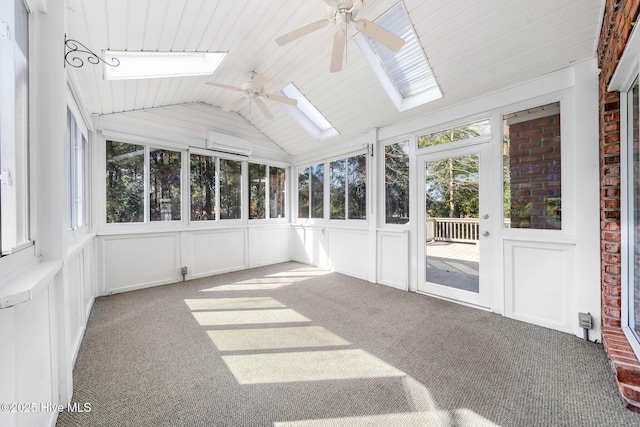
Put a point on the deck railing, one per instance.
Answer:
(453, 229)
(465, 230)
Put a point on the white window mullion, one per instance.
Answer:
(147, 185)
(217, 186)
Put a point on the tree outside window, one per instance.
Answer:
(230, 189)
(125, 182)
(164, 184)
(397, 183)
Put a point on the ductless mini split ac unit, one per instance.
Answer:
(228, 143)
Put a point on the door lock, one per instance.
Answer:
(485, 216)
(485, 233)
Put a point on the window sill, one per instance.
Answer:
(625, 365)
(26, 286)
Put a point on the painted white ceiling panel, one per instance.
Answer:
(474, 48)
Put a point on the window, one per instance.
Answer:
(405, 75)
(77, 175)
(215, 182)
(317, 191)
(346, 184)
(14, 125)
(257, 188)
(311, 192)
(164, 184)
(277, 185)
(457, 133)
(203, 187)
(633, 210)
(125, 182)
(127, 200)
(230, 173)
(396, 176)
(347, 187)
(266, 191)
(532, 168)
(307, 115)
(154, 64)
(303, 193)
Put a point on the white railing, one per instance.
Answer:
(453, 229)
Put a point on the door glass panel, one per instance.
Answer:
(452, 216)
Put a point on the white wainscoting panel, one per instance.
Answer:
(74, 286)
(393, 259)
(217, 251)
(33, 347)
(309, 245)
(270, 245)
(347, 251)
(89, 290)
(139, 260)
(538, 280)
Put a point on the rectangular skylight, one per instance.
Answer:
(151, 64)
(307, 115)
(405, 75)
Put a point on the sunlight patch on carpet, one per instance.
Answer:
(275, 338)
(232, 303)
(248, 317)
(308, 366)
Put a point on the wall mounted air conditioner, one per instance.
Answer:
(228, 143)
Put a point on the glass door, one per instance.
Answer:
(454, 249)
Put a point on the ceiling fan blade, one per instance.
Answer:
(224, 86)
(263, 108)
(258, 81)
(302, 31)
(338, 52)
(377, 33)
(278, 98)
(234, 104)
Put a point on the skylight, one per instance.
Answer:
(307, 115)
(405, 75)
(148, 64)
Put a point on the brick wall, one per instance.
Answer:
(619, 18)
(534, 164)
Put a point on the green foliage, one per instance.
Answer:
(397, 182)
(125, 182)
(257, 188)
(452, 187)
(203, 191)
(230, 189)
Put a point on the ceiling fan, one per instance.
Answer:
(341, 13)
(254, 92)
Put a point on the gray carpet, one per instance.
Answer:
(290, 346)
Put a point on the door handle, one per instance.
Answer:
(485, 233)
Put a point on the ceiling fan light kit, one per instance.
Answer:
(253, 91)
(341, 13)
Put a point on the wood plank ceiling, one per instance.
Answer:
(474, 48)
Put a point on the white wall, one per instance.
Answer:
(140, 260)
(538, 276)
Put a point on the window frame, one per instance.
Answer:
(326, 197)
(267, 191)
(147, 143)
(411, 155)
(15, 157)
(218, 221)
(626, 210)
(567, 219)
(75, 180)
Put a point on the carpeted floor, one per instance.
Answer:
(290, 345)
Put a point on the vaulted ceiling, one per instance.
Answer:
(474, 48)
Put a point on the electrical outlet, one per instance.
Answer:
(585, 320)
